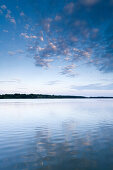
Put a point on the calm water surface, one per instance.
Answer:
(46, 134)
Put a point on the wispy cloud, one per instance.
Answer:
(69, 71)
(10, 81)
(1, 12)
(69, 8)
(22, 14)
(97, 86)
(53, 82)
(5, 30)
(58, 18)
(89, 2)
(3, 7)
(43, 62)
(12, 20)
(12, 53)
(25, 35)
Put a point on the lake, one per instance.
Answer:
(56, 134)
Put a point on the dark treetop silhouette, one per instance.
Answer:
(42, 96)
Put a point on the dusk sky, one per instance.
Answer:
(56, 47)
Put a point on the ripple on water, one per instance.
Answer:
(56, 134)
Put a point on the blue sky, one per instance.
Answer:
(56, 47)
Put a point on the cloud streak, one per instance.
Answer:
(26, 36)
(16, 52)
(97, 86)
(50, 83)
(10, 81)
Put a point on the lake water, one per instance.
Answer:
(56, 134)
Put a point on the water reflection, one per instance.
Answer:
(56, 134)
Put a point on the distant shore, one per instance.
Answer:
(42, 96)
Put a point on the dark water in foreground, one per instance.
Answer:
(56, 134)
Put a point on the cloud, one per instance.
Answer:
(46, 23)
(44, 55)
(22, 14)
(43, 62)
(19, 51)
(10, 81)
(97, 86)
(77, 31)
(69, 8)
(69, 71)
(13, 20)
(5, 30)
(27, 26)
(8, 14)
(1, 12)
(25, 35)
(53, 82)
(89, 2)
(41, 38)
(58, 18)
(3, 7)
(12, 53)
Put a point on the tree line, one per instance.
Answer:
(42, 96)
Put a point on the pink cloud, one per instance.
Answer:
(69, 7)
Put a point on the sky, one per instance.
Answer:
(56, 47)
